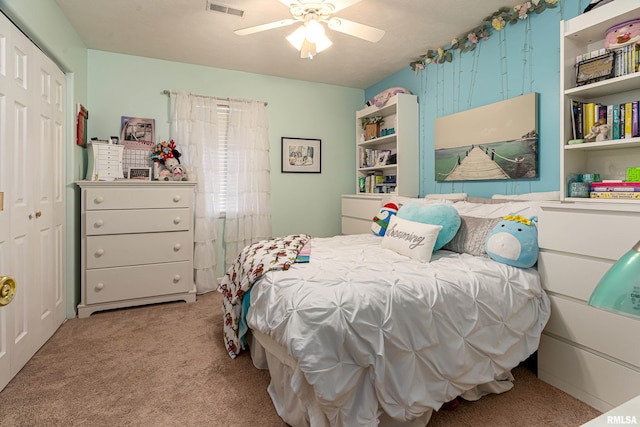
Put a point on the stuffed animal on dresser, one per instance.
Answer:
(167, 157)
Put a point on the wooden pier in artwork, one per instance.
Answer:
(477, 165)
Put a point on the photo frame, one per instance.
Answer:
(81, 128)
(595, 69)
(141, 174)
(301, 155)
(137, 129)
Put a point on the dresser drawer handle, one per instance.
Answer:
(99, 252)
(177, 198)
(98, 200)
(177, 220)
(177, 247)
(99, 223)
(176, 278)
(99, 286)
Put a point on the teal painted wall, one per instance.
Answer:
(124, 85)
(44, 23)
(520, 59)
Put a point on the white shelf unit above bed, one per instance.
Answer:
(400, 113)
(582, 34)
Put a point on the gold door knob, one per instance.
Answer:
(38, 214)
(7, 290)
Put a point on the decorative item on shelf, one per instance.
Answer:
(595, 69)
(623, 34)
(619, 288)
(599, 131)
(633, 174)
(371, 126)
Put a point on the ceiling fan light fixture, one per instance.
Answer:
(309, 39)
(297, 37)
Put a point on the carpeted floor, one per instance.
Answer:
(165, 365)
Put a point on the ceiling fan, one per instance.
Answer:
(310, 37)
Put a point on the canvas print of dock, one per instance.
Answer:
(496, 141)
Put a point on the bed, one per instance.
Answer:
(364, 336)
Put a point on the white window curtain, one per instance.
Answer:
(229, 155)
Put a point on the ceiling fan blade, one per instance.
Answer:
(264, 27)
(355, 29)
(338, 4)
(342, 4)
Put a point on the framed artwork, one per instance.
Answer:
(81, 129)
(136, 129)
(142, 174)
(498, 141)
(301, 155)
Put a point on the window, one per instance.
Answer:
(223, 136)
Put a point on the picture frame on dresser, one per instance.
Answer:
(141, 174)
(301, 155)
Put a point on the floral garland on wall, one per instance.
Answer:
(469, 40)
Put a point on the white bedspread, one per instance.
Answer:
(370, 327)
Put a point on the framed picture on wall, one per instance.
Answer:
(301, 155)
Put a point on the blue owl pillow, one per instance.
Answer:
(381, 220)
(514, 241)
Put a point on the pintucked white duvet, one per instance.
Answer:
(371, 329)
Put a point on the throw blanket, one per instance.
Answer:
(252, 262)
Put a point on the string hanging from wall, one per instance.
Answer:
(504, 65)
(473, 74)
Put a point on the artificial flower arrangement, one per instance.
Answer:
(162, 151)
(496, 21)
(372, 120)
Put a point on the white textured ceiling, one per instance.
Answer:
(185, 31)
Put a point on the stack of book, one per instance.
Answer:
(615, 190)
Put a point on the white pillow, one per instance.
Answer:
(496, 210)
(447, 196)
(410, 238)
(540, 195)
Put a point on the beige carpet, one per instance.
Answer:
(165, 365)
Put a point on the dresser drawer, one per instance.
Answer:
(132, 249)
(136, 198)
(603, 331)
(361, 207)
(572, 275)
(125, 283)
(136, 221)
(592, 232)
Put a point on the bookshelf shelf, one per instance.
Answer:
(611, 158)
(401, 114)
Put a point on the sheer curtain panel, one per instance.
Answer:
(226, 145)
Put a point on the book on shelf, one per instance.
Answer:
(614, 194)
(622, 118)
(616, 186)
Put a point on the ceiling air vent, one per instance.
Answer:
(224, 9)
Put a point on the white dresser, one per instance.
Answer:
(358, 212)
(137, 243)
(590, 353)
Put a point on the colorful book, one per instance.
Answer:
(614, 195)
(589, 116)
(610, 121)
(621, 117)
(616, 121)
(628, 132)
(615, 184)
(614, 188)
(635, 130)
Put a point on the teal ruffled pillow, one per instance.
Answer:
(437, 214)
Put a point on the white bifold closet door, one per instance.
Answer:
(32, 233)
